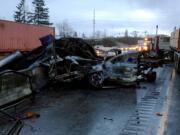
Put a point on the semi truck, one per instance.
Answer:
(157, 42)
(175, 47)
(165, 47)
(170, 46)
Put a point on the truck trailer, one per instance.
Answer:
(175, 47)
(24, 37)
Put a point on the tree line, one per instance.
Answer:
(39, 15)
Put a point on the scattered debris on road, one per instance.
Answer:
(159, 114)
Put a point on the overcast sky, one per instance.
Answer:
(112, 16)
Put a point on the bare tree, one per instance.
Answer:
(83, 35)
(75, 35)
(126, 33)
(104, 34)
(98, 34)
(65, 30)
(135, 33)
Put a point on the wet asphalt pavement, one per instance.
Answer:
(83, 112)
(97, 112)
(173, 123)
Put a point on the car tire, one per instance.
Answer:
(96, 80)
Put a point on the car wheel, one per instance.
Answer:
(96, 80)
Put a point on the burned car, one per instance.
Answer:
(120, 69)
(128, 69)
(72, 59)
(74, 62)
(75, 68)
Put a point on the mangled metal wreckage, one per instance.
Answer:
(22, 74)
(68, 60)
(26, 72)
(72, 59)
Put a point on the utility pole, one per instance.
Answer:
(94, 24)
(156, 30)
(156, 39)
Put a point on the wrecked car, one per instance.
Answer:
(75, 68)
(128, 69)
(22, 74)
(74, 62)
(67, 60)
(118, 69)
(72, 59)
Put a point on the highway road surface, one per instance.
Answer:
(146, 109)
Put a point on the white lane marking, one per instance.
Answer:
(163, 122)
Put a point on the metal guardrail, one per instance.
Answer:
(17, 83)
(11, 124)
